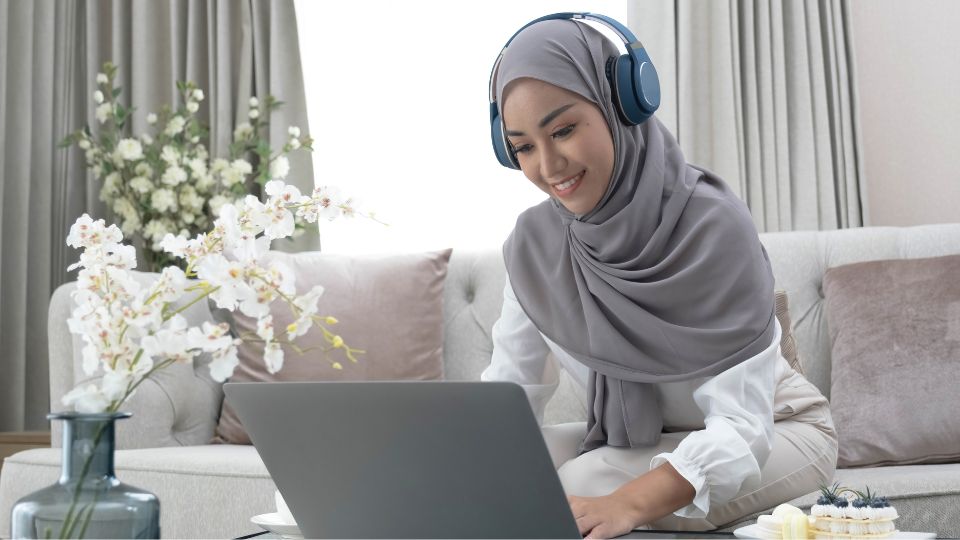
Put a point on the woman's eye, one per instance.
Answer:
(522, 149)
(564, 131)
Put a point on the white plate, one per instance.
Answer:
(752, 531)
(274, 523)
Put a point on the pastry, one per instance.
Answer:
(836, 516)
(786, 522)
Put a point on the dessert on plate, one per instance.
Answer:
(836, 516)
(786, 522)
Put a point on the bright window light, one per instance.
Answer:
(397, 105)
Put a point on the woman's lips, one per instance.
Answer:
(566, 191)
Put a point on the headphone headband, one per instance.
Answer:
(625, 34)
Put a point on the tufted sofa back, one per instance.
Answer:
(183, 402)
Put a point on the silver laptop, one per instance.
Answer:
(409, 459)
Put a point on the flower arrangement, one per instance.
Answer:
(131, 332)
(165, 181)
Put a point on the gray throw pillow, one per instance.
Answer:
(895, 331)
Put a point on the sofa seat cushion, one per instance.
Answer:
(197, 485)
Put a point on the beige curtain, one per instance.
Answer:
(763, 93)
(50, 53)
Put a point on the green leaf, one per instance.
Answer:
(116, 92)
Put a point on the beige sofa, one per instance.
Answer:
(212, 490)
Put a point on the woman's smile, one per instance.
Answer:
(567, 187)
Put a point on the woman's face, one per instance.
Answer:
(561, 141)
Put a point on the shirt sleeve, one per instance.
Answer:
(730, 451)
(520, 355)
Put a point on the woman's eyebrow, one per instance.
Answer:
(546, 119)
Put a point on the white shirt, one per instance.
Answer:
(730, 415)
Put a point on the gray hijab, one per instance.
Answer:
(665, 280)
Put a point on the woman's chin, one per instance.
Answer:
(573, 207)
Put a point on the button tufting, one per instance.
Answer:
(470, 295)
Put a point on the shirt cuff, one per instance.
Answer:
(692, 473)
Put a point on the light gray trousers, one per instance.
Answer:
(803, 457)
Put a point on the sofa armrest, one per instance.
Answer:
(178, 406)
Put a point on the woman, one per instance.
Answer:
(644, 277)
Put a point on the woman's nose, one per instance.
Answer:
(552, 163)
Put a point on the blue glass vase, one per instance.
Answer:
(88, 501)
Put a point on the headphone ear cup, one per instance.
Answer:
(615, 90)
(636, 92)
(501, 147)
(623, 70)
(646, 82)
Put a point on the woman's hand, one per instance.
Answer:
(645, 499)
(604, 517)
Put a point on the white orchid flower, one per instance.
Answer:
(115, 383)
(307, 304)
(169, 343)
(265, 328)
(327, 200)
(224, 362)
(229, 278)
(273, 357)
(86, 399)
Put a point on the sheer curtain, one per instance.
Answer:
(50, 53)
(763, 93)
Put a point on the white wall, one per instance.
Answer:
(908, 71)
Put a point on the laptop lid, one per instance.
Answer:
(406, 459)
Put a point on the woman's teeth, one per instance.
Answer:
(564, 185)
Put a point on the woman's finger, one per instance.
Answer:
(587, 522)
(602, 531)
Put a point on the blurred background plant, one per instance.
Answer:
(165, 181)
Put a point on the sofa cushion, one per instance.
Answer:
(390, 306)
(895, 332)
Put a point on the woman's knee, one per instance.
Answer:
(563, 441)
(579, 475)
(593, 475)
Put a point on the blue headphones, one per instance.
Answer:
(633, 80)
